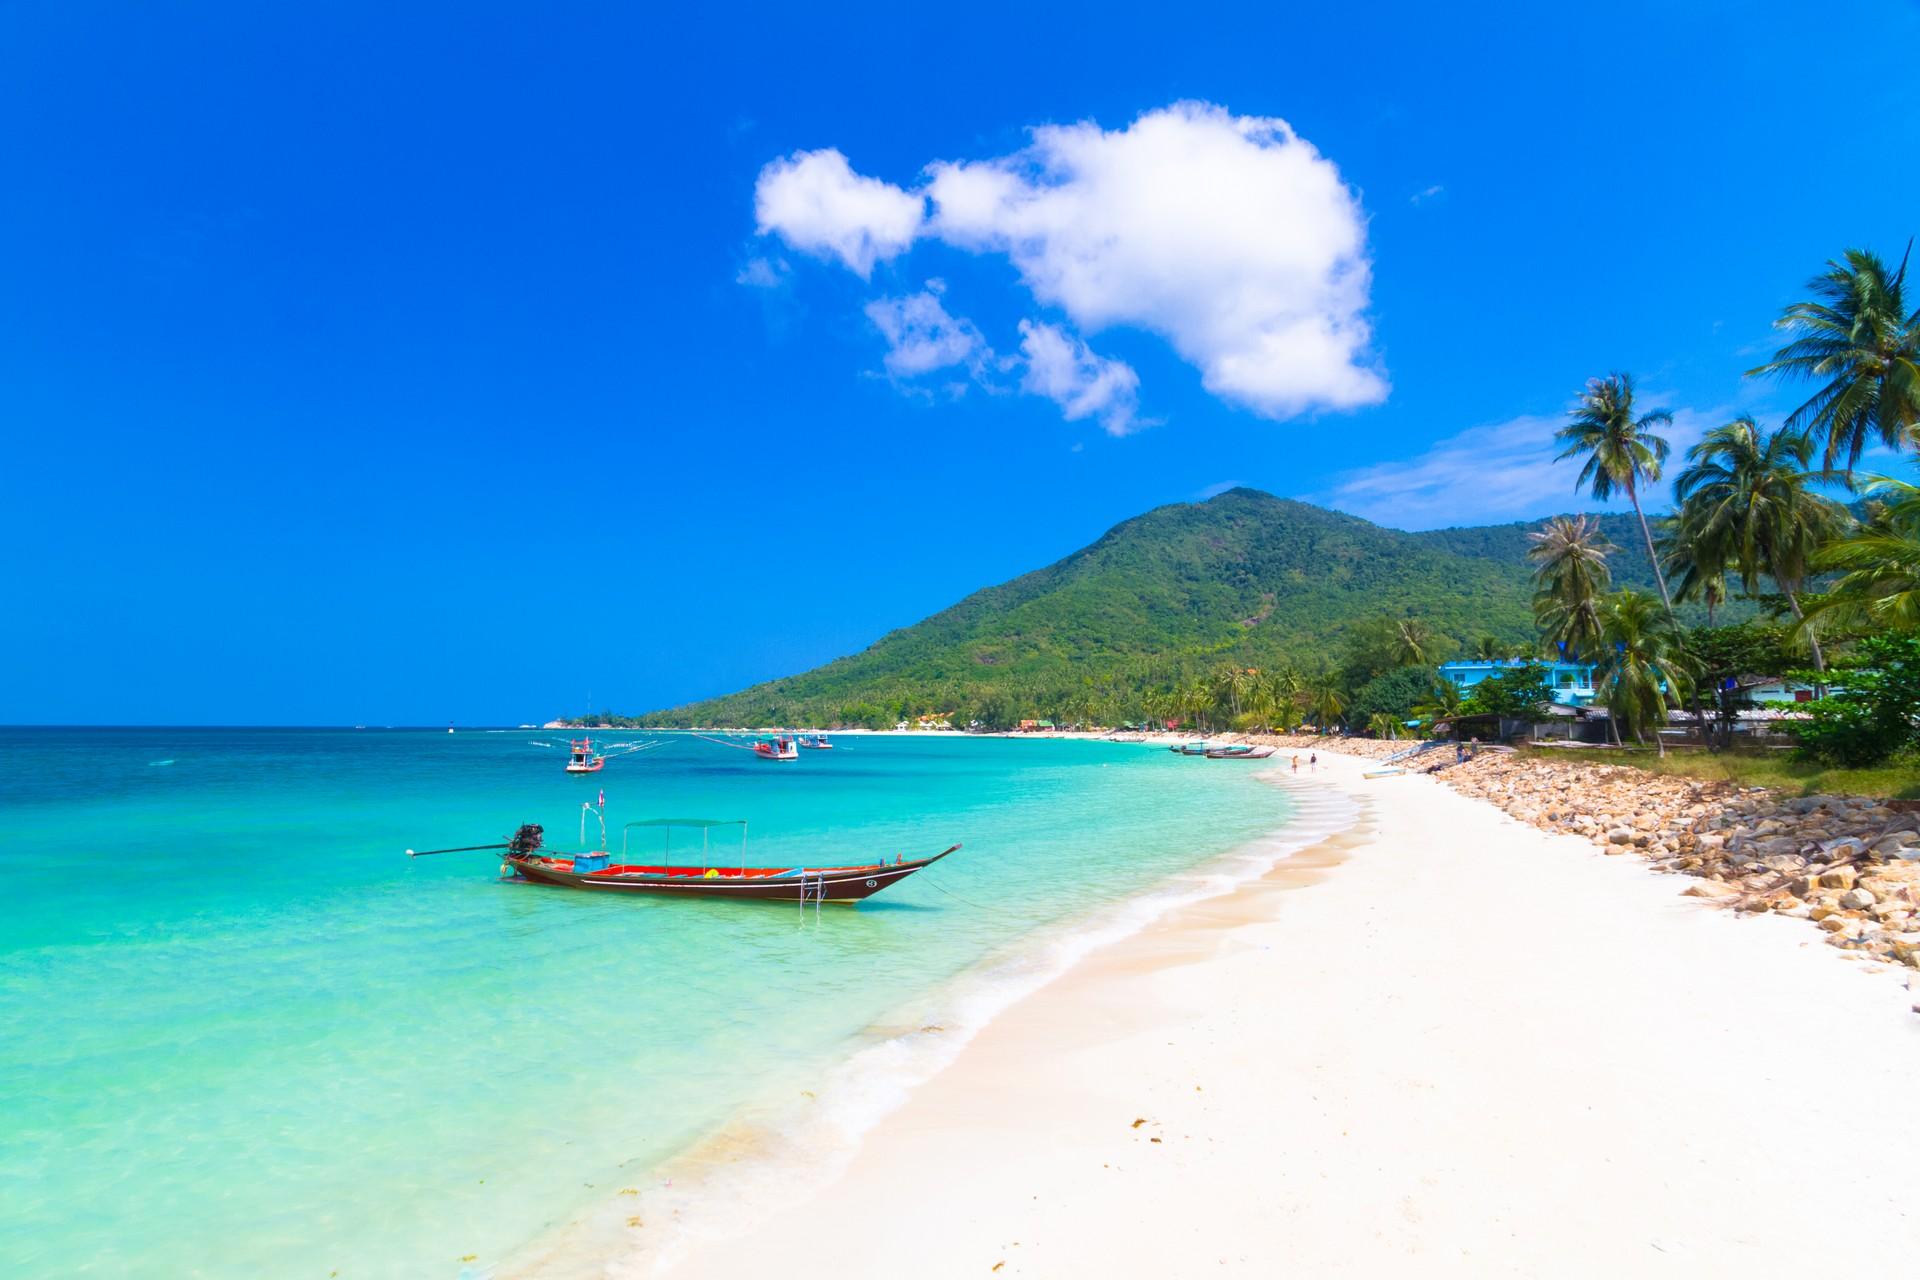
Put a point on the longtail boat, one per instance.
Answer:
(776, 748)
(526, 858)
(1239, 751)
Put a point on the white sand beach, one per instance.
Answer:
(1443, 1043)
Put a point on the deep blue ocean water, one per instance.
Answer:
(246, 1036)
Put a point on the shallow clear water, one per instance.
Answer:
(245, 1035)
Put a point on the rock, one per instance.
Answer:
(1848, 847)
(1856, 899)
(1784, 862)
(1709, 889)
(1778, 846)
(1837, 878)
(1834, 923)
(1620, 835)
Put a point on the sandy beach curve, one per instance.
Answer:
(1442, 1042)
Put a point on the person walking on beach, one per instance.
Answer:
(1296, 763)
(1313, 760)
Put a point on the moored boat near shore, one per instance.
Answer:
(527, 859)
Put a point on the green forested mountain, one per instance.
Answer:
(1242, 579)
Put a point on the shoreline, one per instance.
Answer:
(1412, 1065)
(750, 1159)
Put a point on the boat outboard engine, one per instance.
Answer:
(526, 841)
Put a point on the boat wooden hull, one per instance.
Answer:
(766, 884)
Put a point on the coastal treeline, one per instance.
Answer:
(1783, 555)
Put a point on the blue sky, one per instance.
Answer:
(398, 364)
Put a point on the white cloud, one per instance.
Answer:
(921, 336)
(816, 202)
(1501, 471)
(1421, 197)
(763, 273)
(1229, 236)
(1065, 370)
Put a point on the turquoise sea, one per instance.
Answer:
(246, 1036)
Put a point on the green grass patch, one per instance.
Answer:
(1778, 769)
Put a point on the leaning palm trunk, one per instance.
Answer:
(1813, 641)
(1653, 557)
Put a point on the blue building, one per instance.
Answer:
(1572, 681)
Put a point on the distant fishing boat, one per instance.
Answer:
(580, 757)
(816, 742)
(1191, 748)
(1240, 751)
(780, 747)
(527, 859)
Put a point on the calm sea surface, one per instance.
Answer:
(244, 1035)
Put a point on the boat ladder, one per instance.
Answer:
(817, 891)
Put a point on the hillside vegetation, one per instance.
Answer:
(1244, 578)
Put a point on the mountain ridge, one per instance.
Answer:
(1241, 578)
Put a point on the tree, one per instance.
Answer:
(1516, 693)
(1570, 577)
(1413, 642)
(1443, 702)
(1697, 556)
(1878, 563)
(1382, 725)
(1621, 451)
(1748, 495)
(1326, 702)
(1719, 656)
(1873, 717)
(1643, 672)
(1857, 340)
(1395, 694)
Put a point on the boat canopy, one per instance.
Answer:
(696, 823)
(704, 826)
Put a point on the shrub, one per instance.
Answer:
(1872, 715)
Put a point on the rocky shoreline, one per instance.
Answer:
(1850, 865)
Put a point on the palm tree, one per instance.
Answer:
(1621, 450)
(1856, 338)
(1232, 686)
(1643, 672)
(1443, 703)
(1413, 643)
(1699, 560)
(1878, 563)
(1381, 724)
(1748, 495)
(1261, 703)
(1327, 701)
(1570, 576)
(1195, 701)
